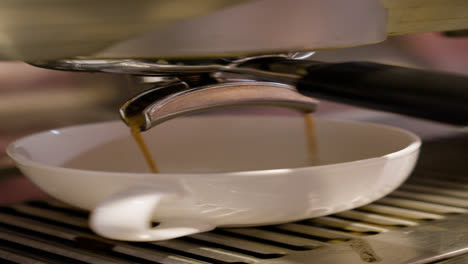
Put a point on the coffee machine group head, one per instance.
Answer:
(216, 53)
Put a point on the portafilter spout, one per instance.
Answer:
(171, 100)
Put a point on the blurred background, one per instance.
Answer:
(34, 99)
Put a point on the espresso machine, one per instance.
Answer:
(213, 48)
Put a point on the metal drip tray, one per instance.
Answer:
(424, 221)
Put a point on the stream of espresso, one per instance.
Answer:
(309, 131)
(136, 133)
(311, 140)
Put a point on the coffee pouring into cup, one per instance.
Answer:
(261, 175)
(230, 171)
(185, 201)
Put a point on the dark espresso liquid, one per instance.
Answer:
(136, 133)
(311, 139)
(309, 131)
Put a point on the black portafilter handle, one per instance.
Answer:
(435, 96)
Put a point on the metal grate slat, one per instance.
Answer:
(400, 212)
(436, 190)
(201, 251)
(323, 234)
(7, 257)
(432, 198)
(57, 206)
(87, 237)
(449, 176)
(288, 241)
(156, 256)
(68, 254)
(52, 215)
(372, 218)
(422, 206)
(243, 246)
(438, 183)
(36, 226)
(346, 225)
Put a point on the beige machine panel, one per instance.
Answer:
(53, 29)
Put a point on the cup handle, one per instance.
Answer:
(128, 215)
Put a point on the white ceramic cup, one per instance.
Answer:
(215, 171)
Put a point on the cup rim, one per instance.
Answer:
(413, 146)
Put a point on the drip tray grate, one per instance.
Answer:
(424, 221)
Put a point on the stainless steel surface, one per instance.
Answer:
(132, 66)
(161, 67)
(247, 68)
(244, 66)
(163, 103)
